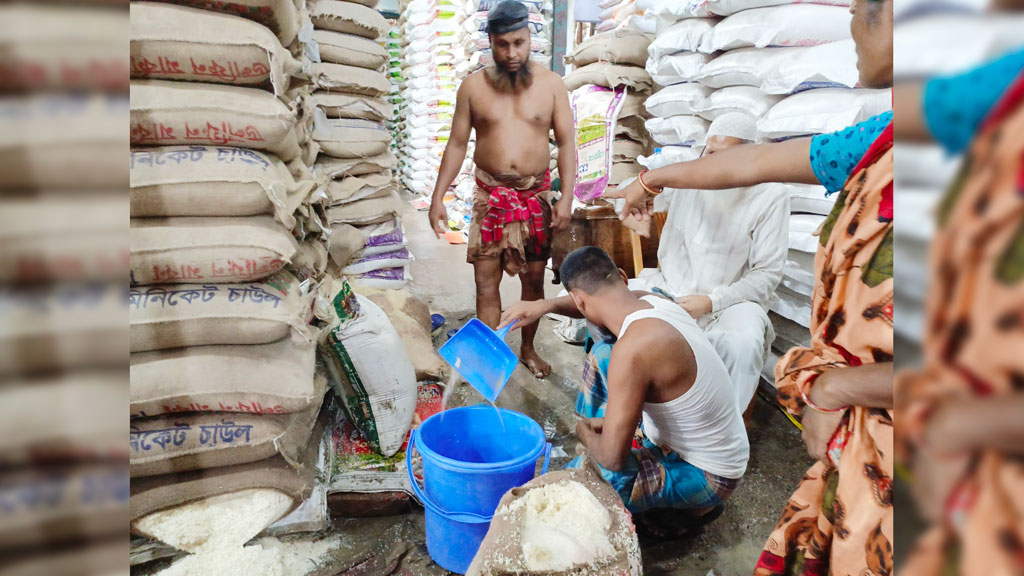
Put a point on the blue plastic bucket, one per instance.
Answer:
(471, 458)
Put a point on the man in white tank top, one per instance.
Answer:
(653, 363)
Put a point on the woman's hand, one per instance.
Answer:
(819, 428)
(638, 202)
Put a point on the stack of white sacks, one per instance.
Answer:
(433, 34)
(356, 164)
(621, 14)
(923, 171)
(793, 67)
(225, 259)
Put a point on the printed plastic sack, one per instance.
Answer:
(595, 111)
(383, 279)
(530, 535)
(381, 260)
(369, 368)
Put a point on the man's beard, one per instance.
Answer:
(508, 81)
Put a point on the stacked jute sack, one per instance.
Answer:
(791, 67)
(62, 269)
(476, 42)
(433, 32)
(615, 60)
(356, 165)
(226, 257)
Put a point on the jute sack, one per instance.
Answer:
(272, 378)
(348, 18)
(618, 47)
(214, 181)
(350, 50)
(356, 188)
(624, 170)
(62, 47)
(626, 151)
(512, 542)
(181, 442)
(154, 493)
(311, 260)
(370, 211)
(411, 319)
(610, 76)
(632, 105)
(280, 16)
(349, 79)
(329, 168)
(52, 505)
(59, 141)
(351, 138)
(55, 327)
(208, 250)
(162, 317)
(633, 128)
(178, 43)
(49, 424)
(338, 105)
(165, 113)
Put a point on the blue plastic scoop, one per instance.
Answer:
(481, 356)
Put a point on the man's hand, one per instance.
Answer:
(696, 305)
(526, 312)
(562, 215)
(639, 203)
(438, 218)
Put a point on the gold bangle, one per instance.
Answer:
(648, 189)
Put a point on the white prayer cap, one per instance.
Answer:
(736, 125)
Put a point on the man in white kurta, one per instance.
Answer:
(721, 255)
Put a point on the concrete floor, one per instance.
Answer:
(729, 546)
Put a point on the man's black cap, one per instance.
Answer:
(507, 16)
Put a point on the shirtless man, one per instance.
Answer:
(650, 360)
(513, 105)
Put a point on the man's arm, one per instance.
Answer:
(767, 258)
(609, 441)
(565, 137)
(527, 312)
(452, 159)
